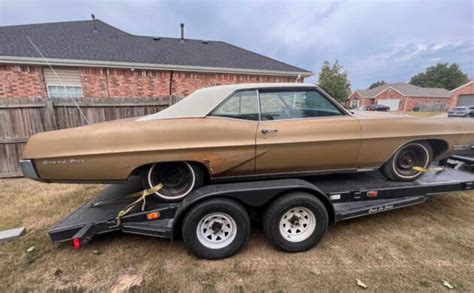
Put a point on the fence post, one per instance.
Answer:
(50, 117)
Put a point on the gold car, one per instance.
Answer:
(244, 131)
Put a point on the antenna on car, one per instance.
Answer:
(57, 76)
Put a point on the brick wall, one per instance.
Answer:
(185, 83)
(426, 104)
(408, 103)
(465, 90)
(148, 83)
(392, 94)
(94, 82)
(28, 81)
(97, 82)
(362, 101)
(21, 81)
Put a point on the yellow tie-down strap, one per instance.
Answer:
(142, 198)
(435, 170)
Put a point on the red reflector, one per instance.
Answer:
(372, 194)
(77, 243)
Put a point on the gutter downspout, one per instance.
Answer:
(171, 83)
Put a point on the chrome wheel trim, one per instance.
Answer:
(394, 166)
(216, 230)
(173, 197)
(297, 224)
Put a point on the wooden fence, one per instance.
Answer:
(21, 118)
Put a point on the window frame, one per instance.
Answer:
(62, 86)
(210, 114)
(344, 112)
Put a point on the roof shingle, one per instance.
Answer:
(77, 40)
(407, 90)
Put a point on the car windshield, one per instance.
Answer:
(459, 108)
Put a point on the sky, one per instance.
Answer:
(373, 40)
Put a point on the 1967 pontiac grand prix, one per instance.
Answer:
(243, 131)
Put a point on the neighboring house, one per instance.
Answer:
(463, 95)
(95, 59)
(402, 97)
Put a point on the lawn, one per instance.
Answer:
(415, 248)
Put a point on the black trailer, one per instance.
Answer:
(214, 221)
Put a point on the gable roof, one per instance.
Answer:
(406, 89)
(76, 43)
(460, 87)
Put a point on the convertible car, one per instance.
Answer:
(244, 131)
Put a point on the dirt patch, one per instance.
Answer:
(415, 248)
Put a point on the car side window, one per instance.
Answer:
(280, 105)
(241, 105)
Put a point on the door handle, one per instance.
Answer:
(265, 131)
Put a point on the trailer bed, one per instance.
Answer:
(352, 195)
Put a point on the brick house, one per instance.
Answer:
(463, 95)
(402, 97)
(94, 59)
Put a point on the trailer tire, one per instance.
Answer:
(216, 228)
(295, 222)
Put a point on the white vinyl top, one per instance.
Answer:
(202, 101)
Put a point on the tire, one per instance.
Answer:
(222, 243)
(400, 166)
(178, 178)
(280, 213)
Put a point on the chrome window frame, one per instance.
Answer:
(344, 112)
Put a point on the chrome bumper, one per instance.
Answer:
(28, 169)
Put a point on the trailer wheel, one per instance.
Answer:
(216, 228)
(295, 222)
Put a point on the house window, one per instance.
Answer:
(63, 82)
(354, 103)
(66, 91)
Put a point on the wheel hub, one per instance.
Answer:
(297, 224)
(216, 226)
(295, 220)
(216, 230)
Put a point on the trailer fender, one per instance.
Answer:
(251, 194)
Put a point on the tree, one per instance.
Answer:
(442, 75)
(334, 81)
(377, 83)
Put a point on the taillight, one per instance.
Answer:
(76, 242)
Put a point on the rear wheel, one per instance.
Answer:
(216, 228)
(295, 222)
(401, 166)
(178, 179)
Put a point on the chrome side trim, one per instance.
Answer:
(290, 174)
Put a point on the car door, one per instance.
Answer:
(303, 130)
(234, 124)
